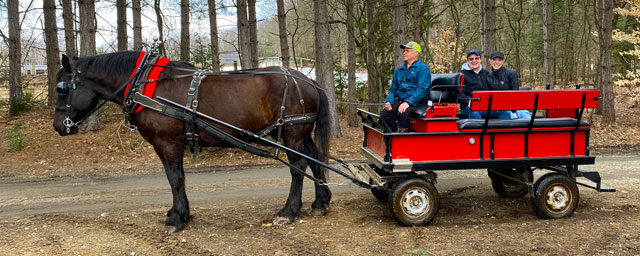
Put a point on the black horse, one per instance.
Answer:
(249, 101)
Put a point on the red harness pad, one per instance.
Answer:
(150, 87)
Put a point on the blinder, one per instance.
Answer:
(63, 88)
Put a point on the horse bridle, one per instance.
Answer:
(65, 88)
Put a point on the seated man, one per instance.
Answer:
(503, 78)
(408, 89)
(475, 79)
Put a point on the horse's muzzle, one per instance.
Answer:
(63, 131)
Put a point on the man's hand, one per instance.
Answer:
(387, 106)
(403, 107)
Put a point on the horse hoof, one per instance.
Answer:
(282, 221)
(169, 229)
(315, 212)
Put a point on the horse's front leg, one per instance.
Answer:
(171, 154)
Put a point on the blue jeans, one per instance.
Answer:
(522, 114)
(501, 114)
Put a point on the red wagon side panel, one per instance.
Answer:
(434, 147)
(506, 145)
(375, 142)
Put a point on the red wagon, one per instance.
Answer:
(403, 166)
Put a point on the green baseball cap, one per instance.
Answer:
(412, 45)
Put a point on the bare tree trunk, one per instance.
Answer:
(605, 17)
(488, 13)
(213, 28)
(87, 27)
(415, 29)
(243, 35)
(53, 50)
(372, 74)
(15, 79)
(282, 29)
(137, 25)
(548, 43)
(69, 30)
(399, 30)
(324, 62)
(121, 10)
(156, 7)
(253, 34)
(185, 42)
(88, 48)
(351, 65)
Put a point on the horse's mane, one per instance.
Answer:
(121, 63)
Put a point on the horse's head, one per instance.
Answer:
(76, 97)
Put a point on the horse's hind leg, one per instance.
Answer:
(171, 156)
(320, 205)
(292, 207)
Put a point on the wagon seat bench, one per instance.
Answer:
(402, 165)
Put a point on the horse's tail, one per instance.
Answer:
(323, 128)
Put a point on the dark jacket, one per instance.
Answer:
(472, 82)
(503, 79)
(410, 84)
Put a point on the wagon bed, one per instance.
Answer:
(402, 166)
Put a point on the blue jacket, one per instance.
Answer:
(410, 84)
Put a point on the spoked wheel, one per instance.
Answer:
(381, 194)
(507, 188)
(414, 202)
(556, 196)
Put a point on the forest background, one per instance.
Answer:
(560, 42)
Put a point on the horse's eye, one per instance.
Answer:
(63, 88)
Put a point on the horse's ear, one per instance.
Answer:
(66, 64)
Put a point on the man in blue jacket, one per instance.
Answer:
(408, 89)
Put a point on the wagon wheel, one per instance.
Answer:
(414, 202)
(379, 193)
(556, 196)
(507, 188)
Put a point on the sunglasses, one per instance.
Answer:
(473, 58)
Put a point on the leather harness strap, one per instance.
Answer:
(192, 103)
(134, 96)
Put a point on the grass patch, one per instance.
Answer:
(27, 103)
(15, 138)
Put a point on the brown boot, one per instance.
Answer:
(401, 130)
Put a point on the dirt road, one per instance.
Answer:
(232, 213)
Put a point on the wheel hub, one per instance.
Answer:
(415, 202)
(558, 198)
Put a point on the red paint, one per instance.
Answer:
(442, 110)
(506, 146)
(434, 147)
(552, 99)
(434, 125)
(557, 113)
(375, 142)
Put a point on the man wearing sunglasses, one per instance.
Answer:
(408, 89)
(475, 79)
